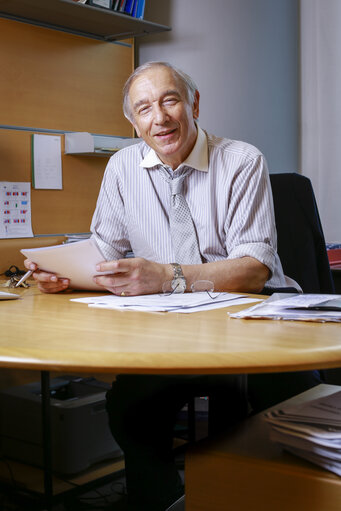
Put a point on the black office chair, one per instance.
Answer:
(300, 240)
(302, 250)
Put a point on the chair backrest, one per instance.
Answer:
(301, 244)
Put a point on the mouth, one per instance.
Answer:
(162, 135)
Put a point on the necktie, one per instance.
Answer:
(183, 233)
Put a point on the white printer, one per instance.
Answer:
(79, 424)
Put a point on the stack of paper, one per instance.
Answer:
(298, 307)
(186, 303)
(311, 431)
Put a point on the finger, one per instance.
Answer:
(111, 282)
(118, 266)
(30, 265)
(53, 287)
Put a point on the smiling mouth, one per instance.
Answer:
(165, 133)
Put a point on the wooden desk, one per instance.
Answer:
(48, 332)
(244, 470)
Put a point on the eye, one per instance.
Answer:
(170, 101)
(143, 109)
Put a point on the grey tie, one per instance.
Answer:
(183, 233)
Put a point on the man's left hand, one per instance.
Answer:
(133, 276)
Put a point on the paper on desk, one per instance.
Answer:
(324, 410)
(185, 303)
(322, 461)
(75, 261)
(332, 451)
(311, 430)
(296, 307)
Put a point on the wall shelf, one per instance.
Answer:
(83, 19)
(87, 144)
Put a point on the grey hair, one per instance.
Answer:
(185, 80)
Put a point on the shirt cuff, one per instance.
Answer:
(260, 251)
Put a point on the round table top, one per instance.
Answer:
(49, 332)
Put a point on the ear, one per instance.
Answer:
(137, 130)
(195, 107)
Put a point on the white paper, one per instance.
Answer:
(322, 461)
(8, 296)
(15, 210)
(75, 261)
(184, 303)
(47, 162)
(275, 308)
(311, 430)
(307, 300)
(324, 410)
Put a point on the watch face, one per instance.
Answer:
(179, 285)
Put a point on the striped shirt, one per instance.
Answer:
(228, 193)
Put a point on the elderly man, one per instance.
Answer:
(191, 207)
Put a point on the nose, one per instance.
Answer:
(160, 115)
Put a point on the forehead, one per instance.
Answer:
(154, 83)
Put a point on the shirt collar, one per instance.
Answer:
(197, 159)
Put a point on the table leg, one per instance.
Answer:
(46, 431)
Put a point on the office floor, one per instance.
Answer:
(103, 497)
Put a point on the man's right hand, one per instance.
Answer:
(46, 282)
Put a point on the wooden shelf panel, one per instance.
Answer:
(83, 19)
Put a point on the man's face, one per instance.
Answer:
(162, 115)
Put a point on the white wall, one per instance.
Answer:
(321, 108)
(243, 55)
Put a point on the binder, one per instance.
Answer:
(140, 9)
(128, 9)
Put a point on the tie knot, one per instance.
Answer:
(176, 185)
(177, 182)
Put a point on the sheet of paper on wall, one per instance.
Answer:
(15, 210)
(46, 162)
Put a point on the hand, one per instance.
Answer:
(133, 276)
(46, 282)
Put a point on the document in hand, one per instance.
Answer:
(297, 307)
(311, 430)
(75, 261)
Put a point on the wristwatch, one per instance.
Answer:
(179, 282)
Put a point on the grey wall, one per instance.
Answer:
(243, 55)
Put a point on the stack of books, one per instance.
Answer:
(311, 430)
(134, 8)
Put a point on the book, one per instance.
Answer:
(135, 8)
(140, 9)
(106, 4)
(122, 5)
(128, 9)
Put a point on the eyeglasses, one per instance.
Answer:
(199, 286)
